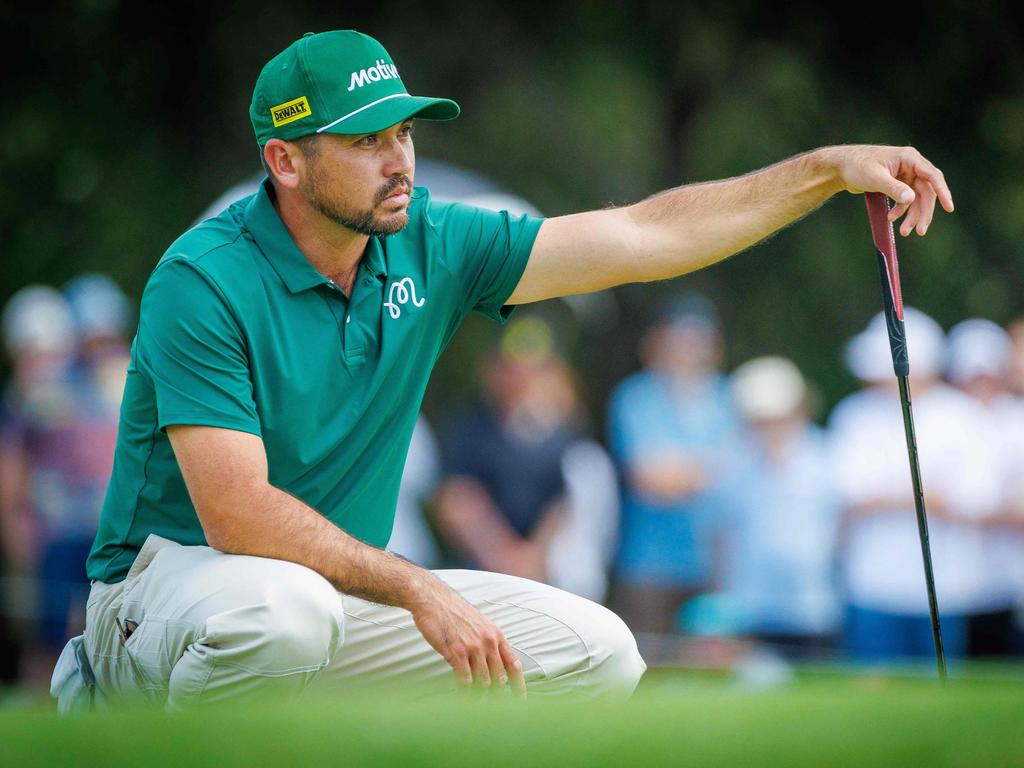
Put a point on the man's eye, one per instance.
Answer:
(406, 130)
(367, 141)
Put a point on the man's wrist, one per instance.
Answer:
(826, 163)
(420, 589)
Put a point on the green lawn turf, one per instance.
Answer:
(824, 720)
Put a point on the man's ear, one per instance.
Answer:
(284, 162)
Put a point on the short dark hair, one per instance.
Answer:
(307, 144)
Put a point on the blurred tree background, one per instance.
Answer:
(126, 119)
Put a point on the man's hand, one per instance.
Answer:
(471, 643)
(902, 173)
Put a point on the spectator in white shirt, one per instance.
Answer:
(979, 362)
(780, 538)
(886, 599)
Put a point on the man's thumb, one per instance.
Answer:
(900, 192)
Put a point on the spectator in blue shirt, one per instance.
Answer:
(671, 426)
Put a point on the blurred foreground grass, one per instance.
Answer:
(827, 720)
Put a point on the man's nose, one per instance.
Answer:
(400, 160)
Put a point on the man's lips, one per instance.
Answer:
(398, 196)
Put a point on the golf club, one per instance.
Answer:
(892, 300)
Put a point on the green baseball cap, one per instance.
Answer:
(335, 82)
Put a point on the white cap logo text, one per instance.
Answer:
(379, 71)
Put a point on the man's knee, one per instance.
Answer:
(273, 643)
(302, 620)
(616, 662)
(295, 624)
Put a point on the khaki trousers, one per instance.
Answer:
(214, 627)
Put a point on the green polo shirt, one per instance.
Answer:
(238, 330)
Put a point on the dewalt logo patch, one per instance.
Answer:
(290, 111)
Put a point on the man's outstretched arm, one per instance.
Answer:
(684, 229)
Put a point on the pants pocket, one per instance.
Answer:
(146, 654)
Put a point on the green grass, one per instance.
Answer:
(824, 720)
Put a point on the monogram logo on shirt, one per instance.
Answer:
(402, 292)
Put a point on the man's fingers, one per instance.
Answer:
(496, 668)
(926, 202)
(514, 669)
(898, 210)
(464, 676)
(937, 181)
(910, 220)
(460, 667)
(481, 675)
(915, 191)
(900, 192)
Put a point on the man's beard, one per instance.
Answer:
(363, 222)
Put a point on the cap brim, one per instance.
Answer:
(390, 111)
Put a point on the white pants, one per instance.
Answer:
(213, 627)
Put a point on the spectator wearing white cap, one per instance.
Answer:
(779, 545)
(38, 460)
(57, 441)
(39, 334)
(979, 362)
(883, 581)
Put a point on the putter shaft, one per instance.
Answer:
(922, 523)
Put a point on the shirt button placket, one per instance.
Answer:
(345, 310)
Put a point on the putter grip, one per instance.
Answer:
(888, 267)
(894, 324)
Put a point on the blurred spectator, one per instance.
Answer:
(670, 426)
(887, 609)
(581, 549)
(37, 460)
(1016, 331)
(57, 446)
(411, 536)
(513, 499)
(784, 514)
(103, 318)
(980, 357)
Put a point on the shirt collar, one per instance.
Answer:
(294, 269)
(373, 258)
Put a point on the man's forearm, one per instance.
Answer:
(281, 526)
(690, 227)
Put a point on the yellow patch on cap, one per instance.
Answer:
(290, 111)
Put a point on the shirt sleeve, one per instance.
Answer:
(488, 251)
(192, 350)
